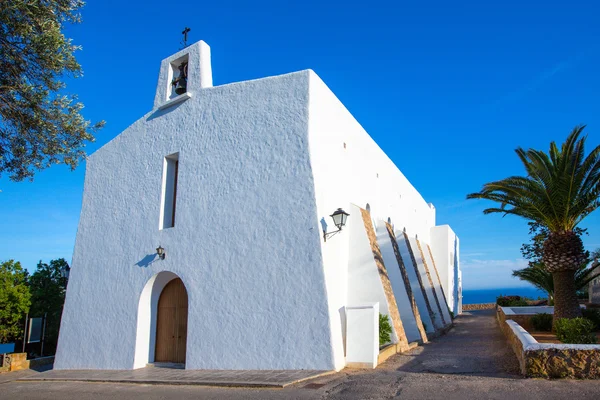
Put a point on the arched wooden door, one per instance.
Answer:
(171, 324)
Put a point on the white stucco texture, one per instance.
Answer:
(262, 165)
(414, 283)
(445, 250)
(363, 335)
(364, 282)
(437, 321)
(245, 241)
(437, 287)
(395, 275)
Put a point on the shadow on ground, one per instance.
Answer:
(475, 346)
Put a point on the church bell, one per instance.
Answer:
(180, 82)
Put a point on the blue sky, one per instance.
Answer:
(465, 82)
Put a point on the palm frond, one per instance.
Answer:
(560, 189)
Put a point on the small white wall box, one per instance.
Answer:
(362, 336)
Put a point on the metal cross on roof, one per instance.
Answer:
(185, 33)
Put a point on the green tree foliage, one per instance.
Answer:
(39, 124)
(14, 300)
(537, 274)
(48, 288)
(560, 189)
(385, 330)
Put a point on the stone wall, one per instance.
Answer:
(16, 361)
(523, 320)
(542, 360)
(480, 306)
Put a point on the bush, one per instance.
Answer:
(503, 301)
(593, 315)
(385, 330)
(542, 322)
(518, 303)
(511, 301)
(575, 331)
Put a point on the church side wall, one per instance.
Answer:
(444, 248)
(245, 241)
(350, 168)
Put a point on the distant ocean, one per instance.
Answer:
(489, 295)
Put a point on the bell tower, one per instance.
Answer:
(183, 74)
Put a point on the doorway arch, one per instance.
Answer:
(147, 317)
(171, 323)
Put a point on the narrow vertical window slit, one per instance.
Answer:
(169, 191)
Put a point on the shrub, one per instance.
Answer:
(518, 303)
(385, 330)
(503, 301)
(593, 315)
(542, 322)
(511, 301)
(575, 331)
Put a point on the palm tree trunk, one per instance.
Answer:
(566, 304)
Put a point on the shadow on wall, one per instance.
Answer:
(160, 113)
(146, 261)
(324, 224)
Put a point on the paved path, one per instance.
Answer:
(472, 361)
(170, 376)
(475, 347)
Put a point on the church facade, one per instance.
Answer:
(203, 233)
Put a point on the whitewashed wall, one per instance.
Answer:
(414, 282)
(437, 321)
(349, 167)
(364, 282)
(437, 287)
(262, 165)
(360, 172)
(445, 249)
(393, 269)
(245, 241)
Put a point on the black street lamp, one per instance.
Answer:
(339, 219)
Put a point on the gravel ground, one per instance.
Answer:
(473, 361)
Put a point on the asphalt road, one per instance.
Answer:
(473, 361)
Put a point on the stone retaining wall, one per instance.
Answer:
(523, 320)
(19, 361)
(546, 360)
(16, 361)
(480, 306)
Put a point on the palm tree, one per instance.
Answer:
(561, 188)
(538, 276)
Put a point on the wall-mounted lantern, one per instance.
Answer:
(161, 252)
(339, 219)
(65, 271)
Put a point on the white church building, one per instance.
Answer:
(206, 237)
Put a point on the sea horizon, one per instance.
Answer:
(487, 295)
